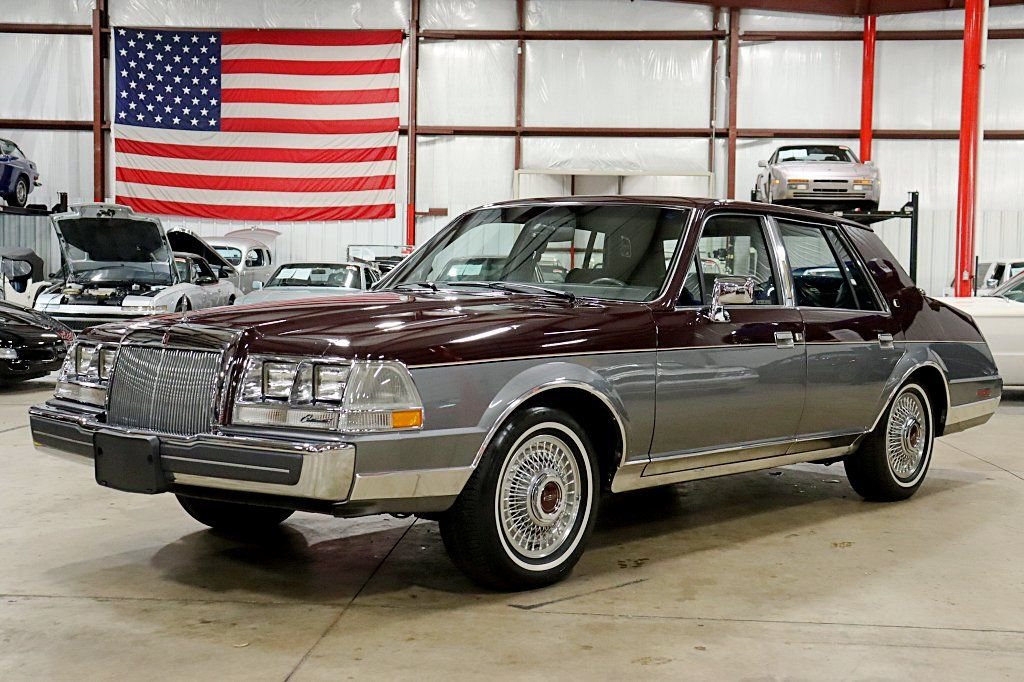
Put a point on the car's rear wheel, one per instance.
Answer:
(232, 518)
(893, 460)
(524, 517)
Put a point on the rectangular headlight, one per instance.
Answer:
(329, 382)
(106, 362)
(278, 378)
(85, 357)
(361, 396)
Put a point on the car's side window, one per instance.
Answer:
(254, 259)
(858, 279)
(736, 246)
(825, 275)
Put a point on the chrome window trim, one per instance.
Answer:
(841, 235)
(773, 246)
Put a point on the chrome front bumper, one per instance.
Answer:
(321, 472)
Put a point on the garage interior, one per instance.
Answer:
(777, 574)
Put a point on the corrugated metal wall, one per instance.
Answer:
(33, 232)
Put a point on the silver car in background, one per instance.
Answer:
(821, 177)
(310, 280)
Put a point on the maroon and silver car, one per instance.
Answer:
(689, 339)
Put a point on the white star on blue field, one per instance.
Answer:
(168, 79)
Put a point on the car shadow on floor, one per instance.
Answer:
(653, 524)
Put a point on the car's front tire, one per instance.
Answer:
(18, 197)
(524, 517)
(893, 460)
(232, 518)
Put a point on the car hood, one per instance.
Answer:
(986, 306)
(110, 233)
(289, 293)
(189, 242)
(423, 329)
(818, 169)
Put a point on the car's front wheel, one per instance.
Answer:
(18, 197)
(524, 517)
(232, 518)
(892, 461)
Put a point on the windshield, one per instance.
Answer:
(1013, 290)
(617, 251)
(818, 152)
(230, 254)
(105, 250)
(336, 275)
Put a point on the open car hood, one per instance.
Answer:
(110, 233)
(190, 242)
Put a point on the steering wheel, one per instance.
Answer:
(608, 280)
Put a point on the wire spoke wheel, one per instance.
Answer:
(906, 436)
(539, 496)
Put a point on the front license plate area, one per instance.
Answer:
(129, 463)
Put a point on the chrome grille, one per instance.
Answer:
(168, 390)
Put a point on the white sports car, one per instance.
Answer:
(118, 266)
(1000, 316)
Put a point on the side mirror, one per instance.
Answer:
(257, 284)
(731, 291)
(991, 283)
(762, 164)
(206, 279)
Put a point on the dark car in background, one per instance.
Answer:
(18, 175)
(32, 344)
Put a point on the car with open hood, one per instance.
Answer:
(823, 177)
(690, 338)
(118, 265)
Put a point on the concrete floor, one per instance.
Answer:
(783, 574)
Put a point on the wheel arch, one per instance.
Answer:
(932, 377)
(580, 392)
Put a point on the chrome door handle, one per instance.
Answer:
(784, 339)
(885, 341)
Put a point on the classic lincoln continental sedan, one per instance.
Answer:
(689, 339)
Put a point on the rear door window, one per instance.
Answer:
(825, 273)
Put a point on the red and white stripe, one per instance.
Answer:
(308, 131)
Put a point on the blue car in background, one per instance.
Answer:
(18, 175)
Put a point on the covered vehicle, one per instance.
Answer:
(1000, 316)
(119, 265)
(18, 175)
(823, 177)
(505, 406)
(304, 280)
(32, 344)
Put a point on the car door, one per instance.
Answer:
(735, 386)
(853, 341)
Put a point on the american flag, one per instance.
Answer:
(257, 125)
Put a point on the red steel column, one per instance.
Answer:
(867, 89)
(410, 181)
(967, 189)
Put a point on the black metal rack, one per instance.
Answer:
(909, 211)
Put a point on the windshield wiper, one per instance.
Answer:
(516, 287)
(424, 285)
